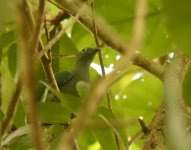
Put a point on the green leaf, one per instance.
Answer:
(81, 37)
(19, 118)
(178, 22)
(7, 84)
(1, 115)
(18, 139)
(86, 139)
(54, 113)
(6, 16)
(1, 54)
(69, 101)
(23, 143)
(186, 87)
(56, 131)
(65, 47)
(7, 38)
(83, 89)
(155, 32)
(106, 138)
(107, 115)
(12, 58)
(141, 96)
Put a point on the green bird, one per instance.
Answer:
(67, 80)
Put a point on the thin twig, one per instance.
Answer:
(100, 54)
(47, 38)
(138, 134)
(103, 70)
(11, 108)
(64, 55)
(144, 128)
(46, 63)
(60, 34)
(59, 6)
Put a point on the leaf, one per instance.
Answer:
(1, 115)
(106, 138)
(107, 115)
(86, 139)
(69, 101)
(19, 118)
(54, 113)
(1, 54)
(12, 58)
(124, 9)
(65, 46)
(83, 89)
(141, 96)
(81, 37)
(7, 38)
(56, 131)
(6, 16)
(18, 139)
(186, 87)
(104, 115)
(157, 41)
(7, 84)
(178, 22)
(23, 143)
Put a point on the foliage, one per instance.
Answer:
(136, 93)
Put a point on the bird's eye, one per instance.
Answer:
(84, 50)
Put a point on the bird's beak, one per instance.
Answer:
(97, 49)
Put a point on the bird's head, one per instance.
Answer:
(86, 56)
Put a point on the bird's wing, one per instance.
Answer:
(63, 77)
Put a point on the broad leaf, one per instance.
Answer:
(108, 133)
(177, 14)
(186, 87)
(12, 58)
(54, 113)
(83, 89)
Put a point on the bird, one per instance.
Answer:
(67, 80)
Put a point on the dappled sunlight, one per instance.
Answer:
(137, 76)
(98, 68)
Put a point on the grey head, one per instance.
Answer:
(86, 56)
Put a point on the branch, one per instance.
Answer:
(149, 65)
(167, 126)
(28, 44)
(45, 60)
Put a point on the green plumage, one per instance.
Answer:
(67, 80)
